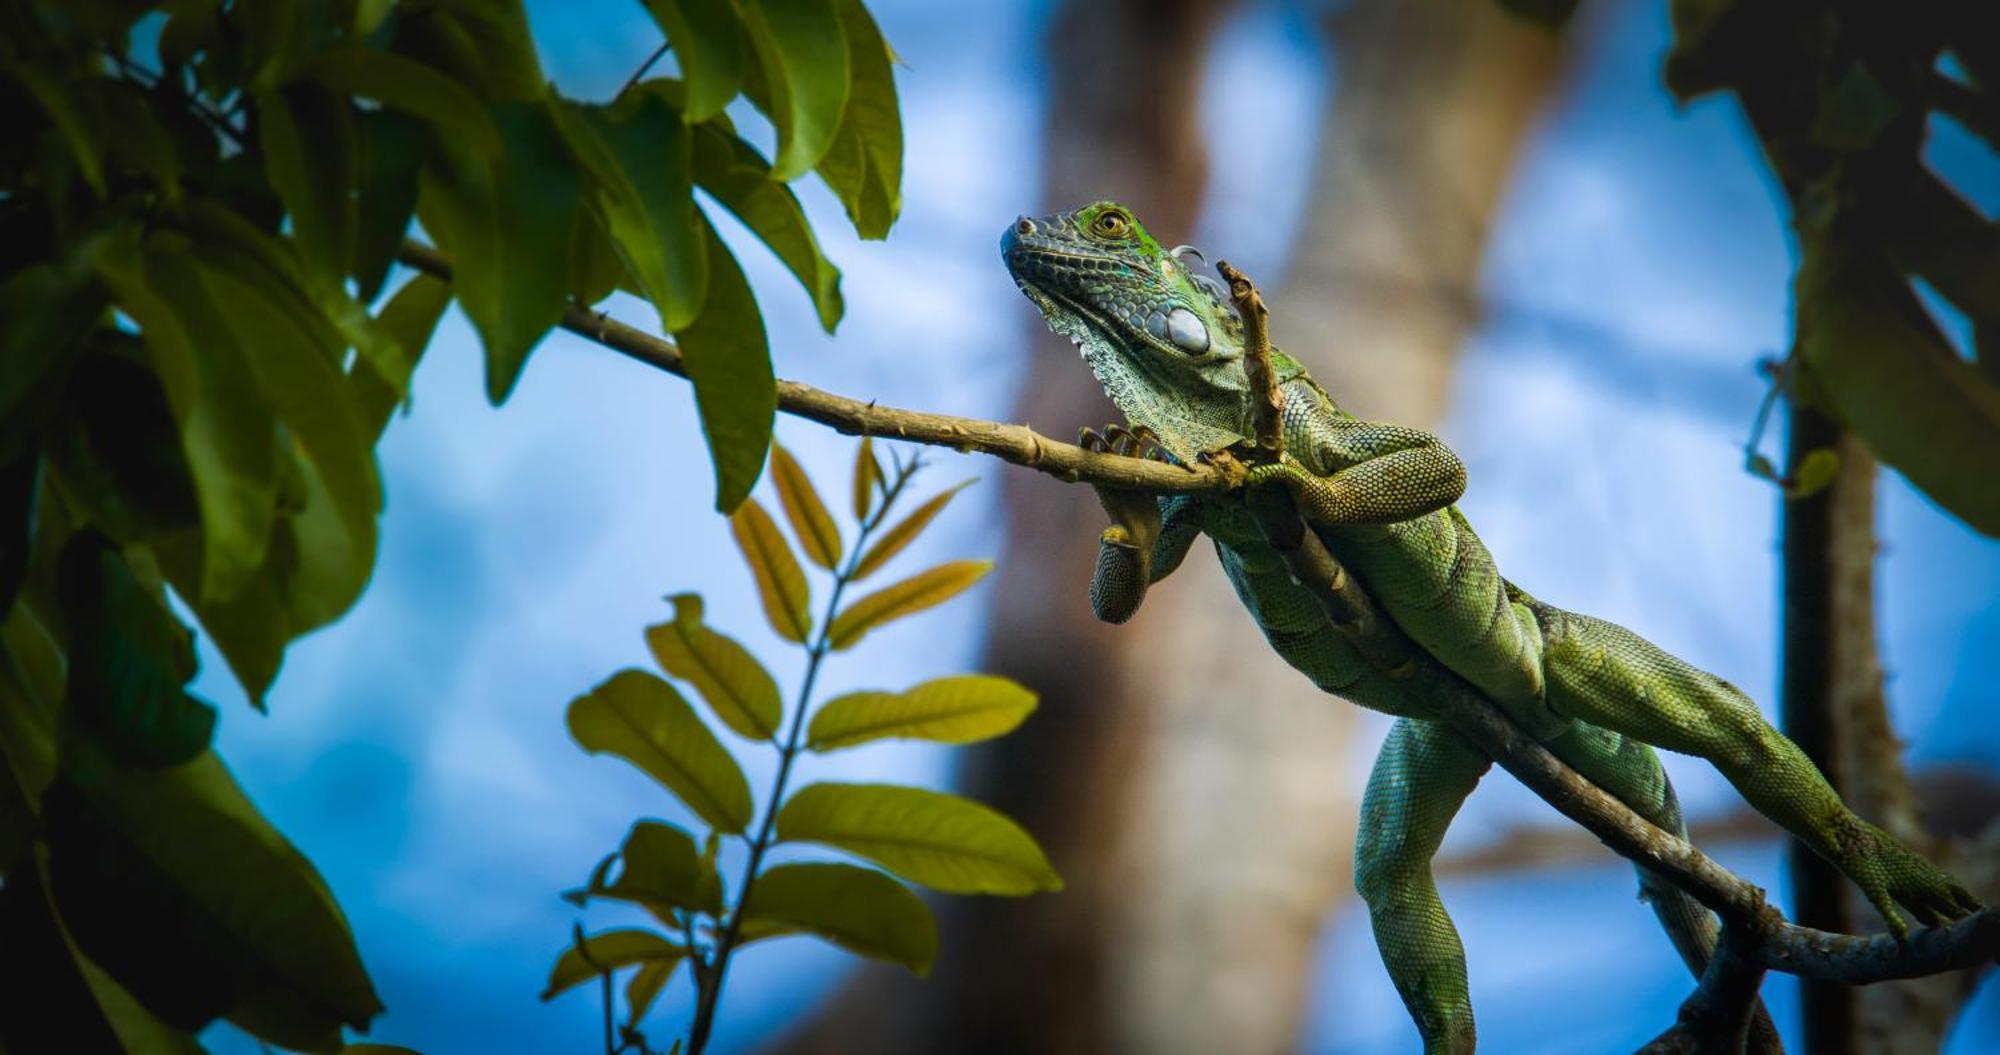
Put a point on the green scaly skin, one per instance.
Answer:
(1168, 349)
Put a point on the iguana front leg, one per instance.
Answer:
(1148, 535)
(1342, 470)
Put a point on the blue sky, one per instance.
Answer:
(416, 750)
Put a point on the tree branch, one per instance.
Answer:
(1770, 942)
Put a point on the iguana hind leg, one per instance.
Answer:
(1420, 779)
(1602, 673)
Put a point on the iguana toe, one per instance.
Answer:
(1891, 874)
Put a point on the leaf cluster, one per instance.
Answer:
(932, 839)
(200, 207)
(1842, 97)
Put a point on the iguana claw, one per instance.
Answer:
(1890, 873)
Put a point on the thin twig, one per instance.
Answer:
(655, 57)
(1268, 409)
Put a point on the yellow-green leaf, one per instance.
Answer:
(644, 987)
(312, 157)
(409, 319)
(801, 52)
(410, 86)
(914, 594)
(660, 868)
(942, 841)
(864, 164)
(954, 710)
(729, 363)
(903, 533)
(781, 584)
(708, 43)
(386, 197)
(867, 479)
(814, 526)
(859, 909)
(641, 718)
(737, 688)
(608, 951)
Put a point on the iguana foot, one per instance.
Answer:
(1320, 498)
(1890, 873)
(1135, 442)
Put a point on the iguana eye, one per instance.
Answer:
(1111, 223)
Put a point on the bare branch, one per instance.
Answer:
(1269, 406)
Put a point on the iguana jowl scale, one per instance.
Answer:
(1169, 351)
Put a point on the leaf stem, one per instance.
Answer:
(710, 995)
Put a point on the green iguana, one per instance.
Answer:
(1168, 348)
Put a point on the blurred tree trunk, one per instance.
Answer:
(1197, 795)
(1834, 705)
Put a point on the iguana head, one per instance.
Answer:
(1165, 344)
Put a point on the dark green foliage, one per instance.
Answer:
(942, 841)
(1841, 96)
(197, 360)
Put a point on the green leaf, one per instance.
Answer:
(409, 319)
(66, 113)
(1884, 369)
(781, 585)
(867, 481)
(801, 52)
(1549, 14)
(595, 270)
(48, 307)
(1816, 470)
(660, 870)
(814, 526)
(955, 710)
(864, 166)
(914, 594)
(708, 41)
(732, 170)
(312, 158)
(394, 148)
(644, 987)
(941, 841)
(608, 950)
(729, 363)
(129, 660)
(639, 155)
(483, 43)
(904, 533)
(1935, 233)
(859, 909)
(641, 718)
(404, 84)
(174, 883)
(507, 229)
(32, 668)
(227, 431)
(729, 678)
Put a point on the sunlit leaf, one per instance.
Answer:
(639, 154)
(817, 534)
(412, 87)
(903, 533)
(728, 677)
(312, 157)
(507, 229)
(780, 582)
(732, 170)
(129, 661)
(801, 52)
(954, 710)
(867, 480)
(173, 882)
(708, 41)
(608, 951)
(859, 909)
(864, 164)
(641, 718)
(1889, 375)
(914, 594)
(1816, 470)
(729, 363)
(942, 841)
